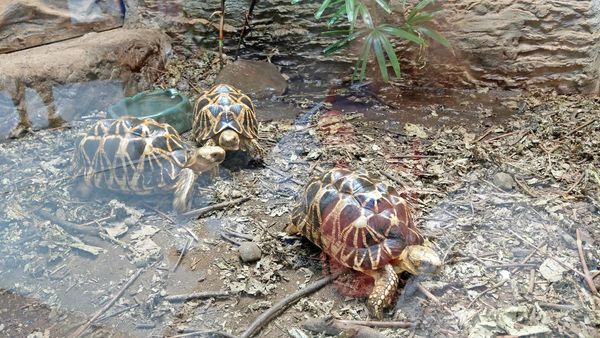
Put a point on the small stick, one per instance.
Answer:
(239, 235)
(581, 127)
(229, 239)
(575, 184)
(586, 271)
(503, 136)
(546, 254)
(198, 295)
(525, 188)
(192, 234)
(218, 206)
(83, 328)
(66, 224)
(204, 333)
(118, 312)
(433, 297)
(188, 243)
(268, 315)
(282, 174)
(514, 265)
(379, 324)
(531, 281)
(160, 213)
(557, 306)
(97, 221)
(393, 179)
(485, 133)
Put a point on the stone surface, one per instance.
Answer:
(258, 79)
(47, 85)
(503, 181)
(496, 43)
(28, 23)
(249, 252)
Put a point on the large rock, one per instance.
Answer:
(519, 44)
(27, 23)
(59, 82)
(258, 79)
(496, 43)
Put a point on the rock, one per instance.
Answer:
(503, 181)
(551, 270)
(47, 85)
(258, 79)
(249, 252)
(29, 23)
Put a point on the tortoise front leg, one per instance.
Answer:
(182, 195)
(384, 290)
(255, 150)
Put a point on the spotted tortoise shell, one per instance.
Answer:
(130, 154)
(354, 218)
(224, 107)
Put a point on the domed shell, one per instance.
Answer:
(130, 154)
(224, 107)
(360, 221)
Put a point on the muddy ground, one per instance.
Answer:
(500, 183)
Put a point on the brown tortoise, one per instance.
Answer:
(224, 116)
(141, 157)
(364, 225)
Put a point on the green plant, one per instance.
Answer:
(377, 38)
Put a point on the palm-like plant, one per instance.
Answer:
(377, 38)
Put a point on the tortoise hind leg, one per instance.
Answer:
(183, 189)
(384, 290)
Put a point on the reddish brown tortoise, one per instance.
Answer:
(366, 225)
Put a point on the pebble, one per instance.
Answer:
(504, 181)
(249, 252)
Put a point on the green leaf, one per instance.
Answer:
(364, 13)
(437, 37)
(401, 33)
(350, 11)
(418, 7)
(379, 55)
(334, 47)
(363, 59)
(384, 5)
(322, 8)
(423, 17)
(336, 32)
(391, 53)
(341, 11)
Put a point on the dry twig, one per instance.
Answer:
(268, 315)
(586, 271)
(187, 244)
(198, 295)
(218, 206)
(83, 328)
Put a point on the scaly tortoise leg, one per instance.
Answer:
(255, 150)
(384, 290)
(182, 195)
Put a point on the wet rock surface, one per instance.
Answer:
(259, 79)
(48, 85)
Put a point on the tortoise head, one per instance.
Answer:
(419, 259)
(229, 140)
(205, 158)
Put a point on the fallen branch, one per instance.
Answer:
(218, 206)
(207, 333)
(586, 271)
(380, 324)
(83, 328)
(268, 315)
(198, 295)
(332, 327)
(66, 224)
